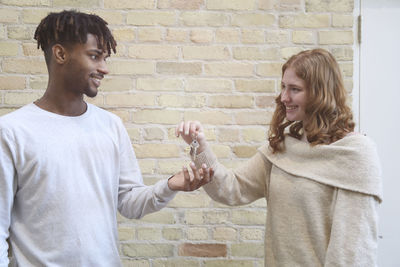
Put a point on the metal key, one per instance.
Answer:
(193, 147)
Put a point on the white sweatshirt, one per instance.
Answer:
(62, 180)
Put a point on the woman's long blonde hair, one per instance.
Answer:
(328, 118)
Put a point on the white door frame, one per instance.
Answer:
(376, 98)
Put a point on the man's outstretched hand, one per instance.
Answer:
(185, 181)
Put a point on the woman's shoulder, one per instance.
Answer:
(356, 139)
(264, 149)
(353, 133)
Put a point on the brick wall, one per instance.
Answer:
(217, 61)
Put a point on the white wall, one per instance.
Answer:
(379, 111)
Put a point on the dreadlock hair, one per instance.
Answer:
(71, 27)
(328, 117)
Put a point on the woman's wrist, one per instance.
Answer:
(201, 149)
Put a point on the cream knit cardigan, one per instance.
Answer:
(321, 201)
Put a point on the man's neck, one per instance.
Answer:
(66, 105)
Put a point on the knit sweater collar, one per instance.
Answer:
(350, 163)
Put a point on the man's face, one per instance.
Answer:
(86, 67)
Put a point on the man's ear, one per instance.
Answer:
(59, 53)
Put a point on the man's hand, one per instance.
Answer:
(184, 181)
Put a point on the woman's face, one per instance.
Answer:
(293, 95)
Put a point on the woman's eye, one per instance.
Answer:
(94, 57)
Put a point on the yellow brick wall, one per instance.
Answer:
(217, 61)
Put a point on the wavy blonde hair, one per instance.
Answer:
(328, 118)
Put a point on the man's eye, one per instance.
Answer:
(94, 57)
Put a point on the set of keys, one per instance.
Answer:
(193, 146)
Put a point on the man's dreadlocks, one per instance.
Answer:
(70, 27)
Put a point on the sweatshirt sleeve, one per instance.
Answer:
(353, 240)
(134, 198)
(7, 191)
(239, 186)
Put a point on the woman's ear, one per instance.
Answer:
(59, 53)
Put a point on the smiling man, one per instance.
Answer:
(66, 166)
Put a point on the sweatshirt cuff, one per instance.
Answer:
(163, 192)
(207, 157)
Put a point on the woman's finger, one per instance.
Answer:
(193, 129)
(179, 129)
(187, 127)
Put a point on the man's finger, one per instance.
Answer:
(206, 174)
(197, 177)
(186, 182)
(211, 174)
(196, 173)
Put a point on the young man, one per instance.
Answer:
(66, 166)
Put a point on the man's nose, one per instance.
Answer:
(103, 67)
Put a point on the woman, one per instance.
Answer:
(321, 181)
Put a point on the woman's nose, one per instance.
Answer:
(284, 96)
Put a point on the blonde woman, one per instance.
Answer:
(322, 181)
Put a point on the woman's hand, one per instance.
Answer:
(190, 130)
(184, 181)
